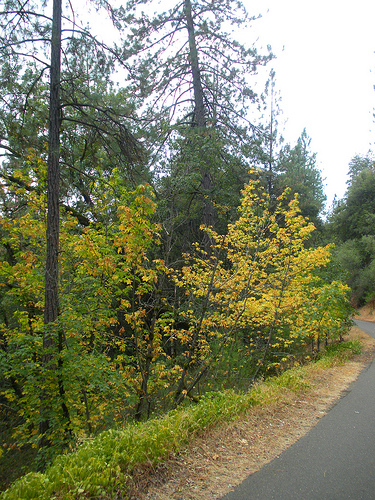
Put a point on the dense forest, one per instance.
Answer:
(158, 239)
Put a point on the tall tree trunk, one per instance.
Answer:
(51, 302)
(51, 308)
(271, 139)
(199, 118)
(199, 111)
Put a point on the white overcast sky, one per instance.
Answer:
(325, 73)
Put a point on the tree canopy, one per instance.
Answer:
(352, 225)
(296, 168)
(188, 69)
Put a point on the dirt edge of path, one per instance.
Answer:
(217, 462)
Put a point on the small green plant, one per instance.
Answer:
(338, 353)
(294, 379)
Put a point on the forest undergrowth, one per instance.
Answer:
(103, 467)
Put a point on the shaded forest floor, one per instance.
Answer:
(217, 462)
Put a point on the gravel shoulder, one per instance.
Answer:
(221, 459)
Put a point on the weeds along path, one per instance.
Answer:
(217, 462)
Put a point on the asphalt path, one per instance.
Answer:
(335, 460)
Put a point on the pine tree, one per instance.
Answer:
(296, 169)
(193, 81)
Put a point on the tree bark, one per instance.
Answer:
(200, 120)
(51, 299)
(51, 309)
(199, 111)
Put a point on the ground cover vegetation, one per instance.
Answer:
(153, 245)
(103, 466)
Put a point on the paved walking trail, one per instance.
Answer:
(335, 460)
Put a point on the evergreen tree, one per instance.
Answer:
(193, 80)
(357, 164)
(96, 130)
(354, 215)
(188, 70)
(296, 169)
(352, 223)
